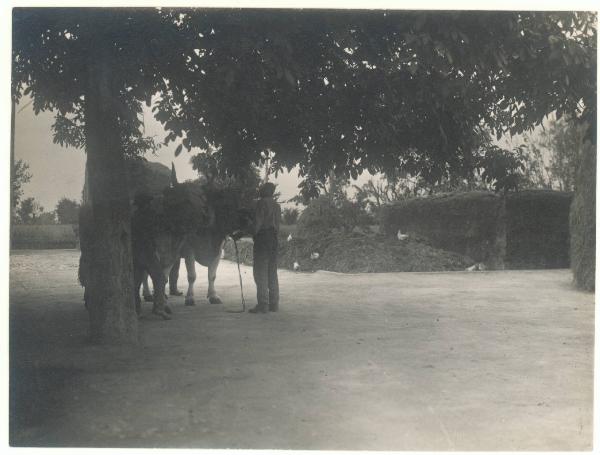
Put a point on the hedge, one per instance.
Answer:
(583, 222)
(467, 223)
(526, 229)
(537, 229)
(26, 236)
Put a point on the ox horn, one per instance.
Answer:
(173, 175)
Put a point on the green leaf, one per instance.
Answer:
(178, 149)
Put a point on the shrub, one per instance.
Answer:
(326, 214)
(289, 216)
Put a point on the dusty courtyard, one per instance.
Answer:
(399, 361)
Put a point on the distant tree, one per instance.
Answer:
(67, 211)
(552, 157)
(29, 211)
(377, 192)
(327, 213)
(45, 218)
(535, 173)
(19, 176)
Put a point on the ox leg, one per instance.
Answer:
(212, 296)
(173, 277)
(146, 288)
(190, 266)
(139, 277)
(166, 273)
(159, 279)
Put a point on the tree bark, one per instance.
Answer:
(107, 248)
(12, 156)
(583, 221)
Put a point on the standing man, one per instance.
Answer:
(266, 227)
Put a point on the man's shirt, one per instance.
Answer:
(267, 215)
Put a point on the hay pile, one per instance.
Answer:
(358, 252)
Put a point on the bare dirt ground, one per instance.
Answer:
(398, 361)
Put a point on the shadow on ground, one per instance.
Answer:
(397, 361)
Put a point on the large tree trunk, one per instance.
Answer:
(583, 221)
(107, 248)
(12, 157)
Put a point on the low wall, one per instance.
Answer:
(526, 229)
(25, 236)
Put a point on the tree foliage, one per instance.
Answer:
(217, 175)
(29, 211)
(19, 176)
(376, 90)
(348, 91)
(553, 156)
(53, 54)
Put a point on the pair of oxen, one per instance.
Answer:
(185, 220)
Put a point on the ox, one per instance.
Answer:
(160, 227)
(169, 222)
(226, 214)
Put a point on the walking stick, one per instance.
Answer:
(237, 257)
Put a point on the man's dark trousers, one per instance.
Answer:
(265, 269)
